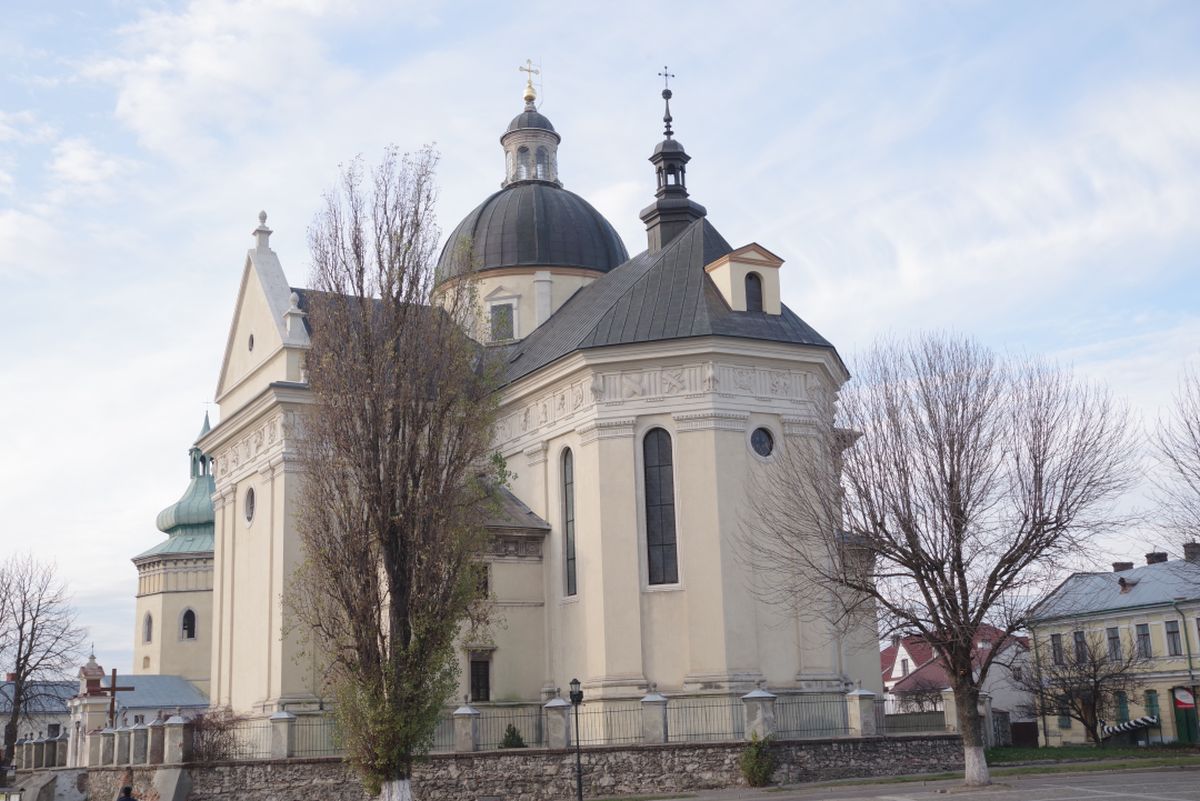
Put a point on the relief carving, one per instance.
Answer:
(632, 385)
(674, 380)
(597, 388)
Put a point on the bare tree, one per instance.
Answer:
(1088, 684)
(949, 492)
(395, 447)
(1176, 442)
(40, 638)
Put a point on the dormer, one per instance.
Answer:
(748, 279)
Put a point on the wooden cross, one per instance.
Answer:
(666, 76)
(528, 68)
(112, 689)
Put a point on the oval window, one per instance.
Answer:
(249, 505)
(762, 442)
(250, 342)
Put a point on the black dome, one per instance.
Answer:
(534, 223)
(530, 119)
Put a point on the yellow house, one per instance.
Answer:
(1155, 609)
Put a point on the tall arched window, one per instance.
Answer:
(568, 493)
(522, 163)
(543, 163)
(189, 625)
(753, 292)
(661, 556)
(147, 628)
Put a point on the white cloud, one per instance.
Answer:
(78, 164)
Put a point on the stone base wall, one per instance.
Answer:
(537, 775)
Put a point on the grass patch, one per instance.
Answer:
(1007, 756)
(646, 797)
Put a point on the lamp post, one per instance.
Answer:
(576, 700)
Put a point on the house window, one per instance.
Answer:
(1122, 707)
(903, 667)
(139, 720)
(568, 494)
(1056, 649)
(661, 556)
(1174, 643)
(145, 663)
(1016, 673)
(1064, 714)
(1081, 649)
(189, 625)
(53, 730)
(481, 677)
(148, 628)
(483, 579)
(754, 299)
(1152, 703)
(503, 321)
(1144, 649)
(1114, 644)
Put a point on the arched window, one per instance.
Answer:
(189, 625)
(661, 556)
(522, 163)
(147, 628)
(568, 493)
(753, 292)
(543, 163)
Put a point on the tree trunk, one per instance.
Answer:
(970, 723)
(396, 790)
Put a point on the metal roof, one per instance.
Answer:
(533, 224)
(654, 297)
(157, 692)
(43, 698)
(530, 119)
(511, 512)
(1149, 585)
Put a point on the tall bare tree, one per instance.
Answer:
(39, 638)
(1084, 679)
(396, 446)
(950, 490)
(1176, 442)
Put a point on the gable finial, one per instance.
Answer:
(262, 234)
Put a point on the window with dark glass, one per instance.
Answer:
(503, 326)
(481, 678)
(1152, 703)
(1174, 643)
(1144, 649)
(1064, 714)
(1114, 644)
(1122, 707)
(148, 628)
(754, 299)
(661, 556)
(1081, 649)
(1056, 649)
(189, 625)
(568, 494)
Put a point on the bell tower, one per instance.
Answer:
(672, 211)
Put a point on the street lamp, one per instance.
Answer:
(576, 700)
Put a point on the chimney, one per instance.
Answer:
(1121, 567)
(1191, 552)
(10, 676)
(1156, 557)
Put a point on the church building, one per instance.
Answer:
(642, 397)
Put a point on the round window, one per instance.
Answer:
(762, 442)
(249, 505)
(250, 342)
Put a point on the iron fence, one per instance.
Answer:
(699, 719)
(443, 733)
(251, 740)
(316, 735)
(808, 715)
(609, 722)
(925, 722)
(529, 723)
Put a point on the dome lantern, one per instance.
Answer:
(672, 210)
(530, 143)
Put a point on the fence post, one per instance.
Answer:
(62, 749)
(177, 741)
(760, 714)
(51, 752)
(950, 710)
(466, 728)
(654, 717)
(283, 734)
(108, 741)
(122, 755)
(95, 748)
(39, 754)
(558, 723)
(989, 731)
(137, 744)
(860, 713)
(155, 733)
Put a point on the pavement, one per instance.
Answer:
(1165, 784)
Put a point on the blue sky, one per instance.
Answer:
(1028, 173)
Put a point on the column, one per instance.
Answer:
(108, 741)
(558, 723)
(283, 732)
(654, 717)
(155, 742)
(760, 714)
(466, 728)
(860, 713)
(177, 741)
(138, 741)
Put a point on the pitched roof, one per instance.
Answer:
(653, 297)
(511, 512)
(43, 698)
(930, 676)
(1148, 585)
(157, 692)
(929, 668)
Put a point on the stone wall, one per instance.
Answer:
(537, 775)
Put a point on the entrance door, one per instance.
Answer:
(1186, 727)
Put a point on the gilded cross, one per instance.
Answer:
(529, 68)
(666, 76)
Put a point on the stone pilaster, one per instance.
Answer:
(138, 744)
(860, 713)
(466, 728)
(283, 734)
(177, 741)
(155, 742)
(108, 751)
(122, 747)
(760, 714)
(654, 718)
(558, 723)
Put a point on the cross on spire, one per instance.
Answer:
(530, 71)
(666, 76)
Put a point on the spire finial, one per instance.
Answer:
(667, 75)
(530, 95)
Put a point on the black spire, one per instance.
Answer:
(672, 211)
